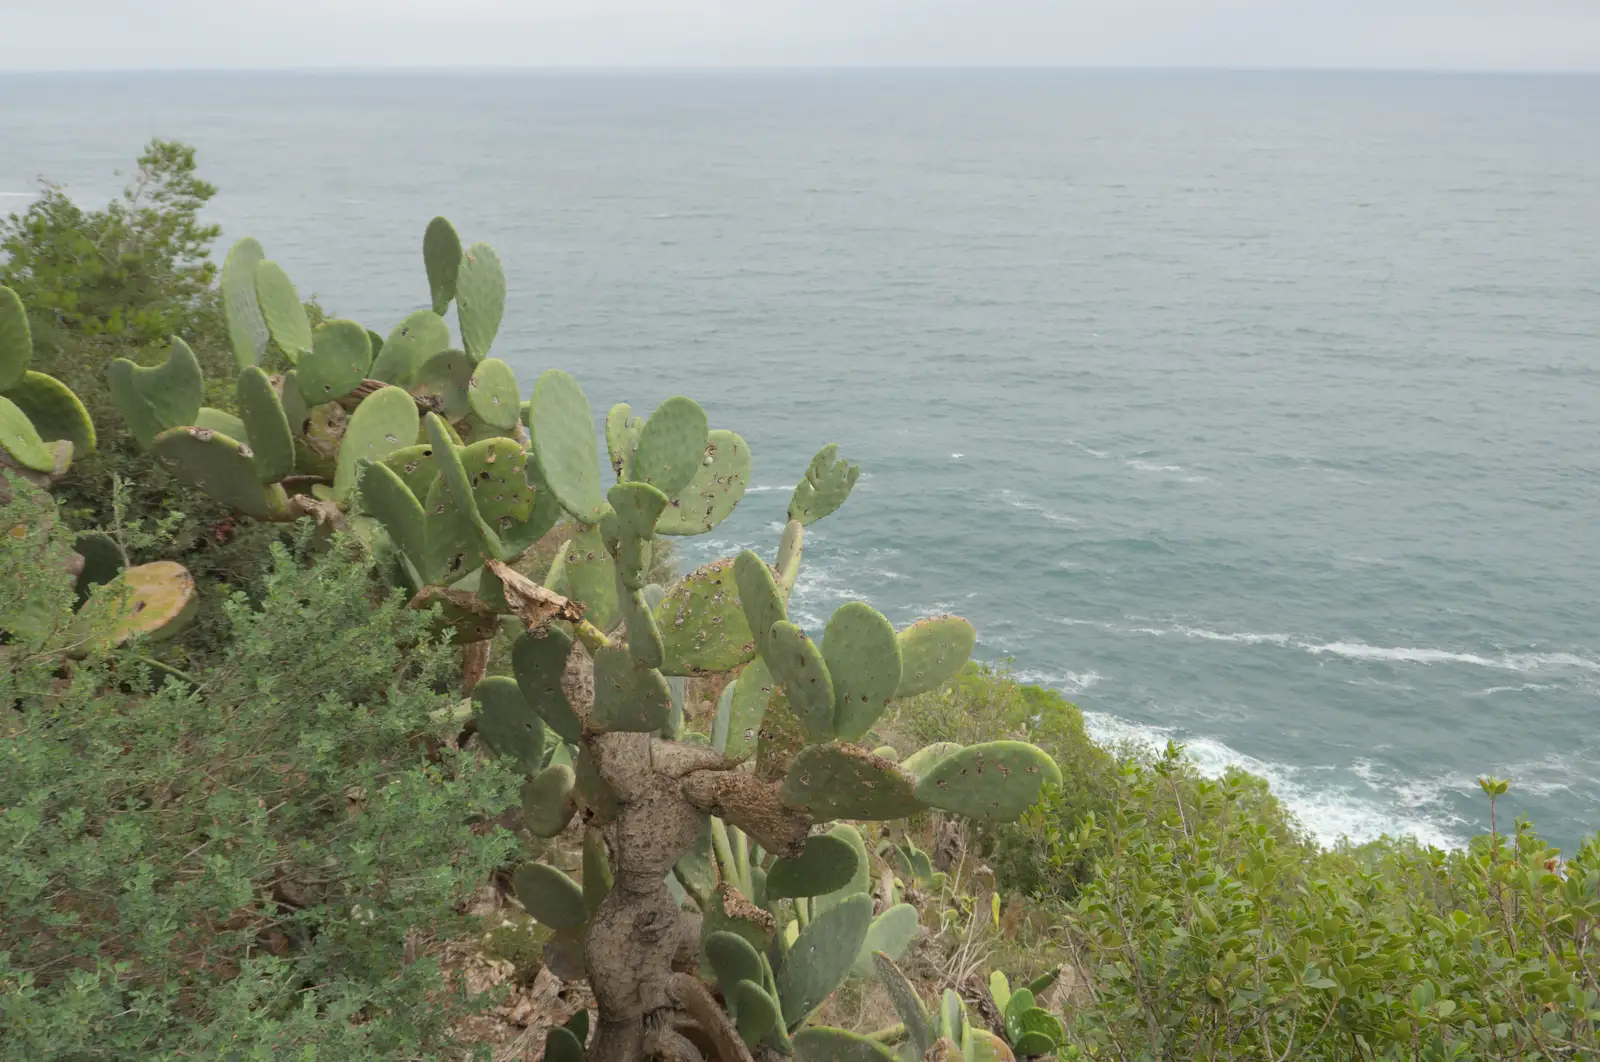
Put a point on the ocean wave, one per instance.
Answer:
(1329, 812)
(1068, 682)
(764, 489)
(1138, 463)
(1017, 501)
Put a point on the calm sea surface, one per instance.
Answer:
(1258, 411)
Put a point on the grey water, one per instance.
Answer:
(1259, 411)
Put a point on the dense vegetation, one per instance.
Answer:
(257, 830)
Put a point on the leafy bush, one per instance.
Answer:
(255, 861)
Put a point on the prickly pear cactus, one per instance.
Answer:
(43, 425)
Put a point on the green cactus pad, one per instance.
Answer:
(718, 484)
(907, 1004)
(733, 959)
(644, 637)
(55, 411)
(628, 697)
(457, 537)
(826, 485)
(748, 707)
(16, 340)
(222, 423)
(561, 1045)
(384, 422)
(505, 497)
(247, 329)
(564, 442)
(856, 886)
(702, 625)
(863, 661)
(787, 566)
(285, 314)
(732, 912)
(492, 394)
(597, 876)
(633, 561)
(441, 256)
(1034, 1032)
(265, 424)
(161, 397)
(840, 781)
(295, 409)
(508, 723)
(758, 597)
(222, 467)
(385, 496)
(622, 435)
(550, 897)
(890, 934)
(926, 758)
(638, 506)
(980, 1045)
(414, 340)
(821, 957)
(103, 561)
(672, 445)
(447, 379)
(375, 341)
(538, 660)
(952, 1015)
(415, 467)
(756, 1012)
(932, 652)
(695, 871)
(480, 298)
(799, 668)
(823, 1043)
(592, 578)
(1017, 1004)
(340, 354)
(997, 780)
(827, 863)
(154, 600)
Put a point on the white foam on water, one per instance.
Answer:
(1141, 465)
(1068, 682)
(1244, 638)
(18, 195)
(1098, 454)
(1017, 501)
(764, 489)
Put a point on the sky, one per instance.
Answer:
(1532, 35)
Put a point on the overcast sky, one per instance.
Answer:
(259, 34)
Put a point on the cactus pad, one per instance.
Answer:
(622, 435)
(907, 1004)
(480, 298)
(857, 885)
(564, 442)
(16, 340)
(825, 864)
(285, 314)
(550, 897)
(222, 467)
(591, 577)
(597, 876)
(926, 758)
(538, 660)
(154, 600)
(841, 781)
(822, 956)
(702, 626)
(644, 637)
(672, 445)
(155, 399)
(441, 256)
(981, 1045)
(757, 1015)
(997, 780)
(415, 467)
(247, 329)
(717, 486)
(732, 959)
(563, 1045)
(341, 353)
(826, 485)
(628, 697)
(758, 596)
(446, 378)
(638, 506)
(932, 652)
(385, 496)
(222, 423)
(890, 934)
(799, 667)
(787, 565)
(863, 661)
(55, 411)
(265, 424)
(103, 561)
(747, 708)
(508, 723)
(823, 1043)
(384, 422)
(414, 340)
(492, 394)
(19, 439)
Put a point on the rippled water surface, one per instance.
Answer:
(1261, 411)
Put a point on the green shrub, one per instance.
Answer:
(255, 863)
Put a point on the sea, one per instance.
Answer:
(1256, 411)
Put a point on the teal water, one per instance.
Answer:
(1259, 411)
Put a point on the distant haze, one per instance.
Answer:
(1531, 35)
